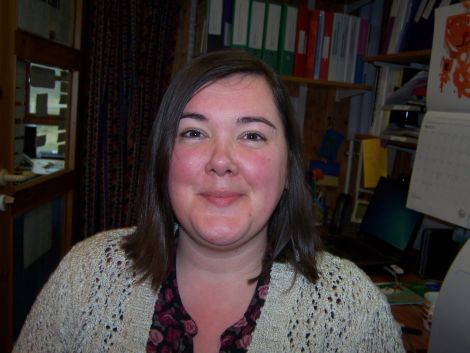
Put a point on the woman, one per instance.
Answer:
(225, 257)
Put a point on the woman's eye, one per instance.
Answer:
(191, 133)
(253, 136)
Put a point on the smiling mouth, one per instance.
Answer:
(221, 198)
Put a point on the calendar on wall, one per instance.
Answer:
(440, 181)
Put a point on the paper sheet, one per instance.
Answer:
(440, 182)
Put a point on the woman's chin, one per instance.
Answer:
(221, 238)
(223, 232)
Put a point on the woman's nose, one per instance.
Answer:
(221, 161)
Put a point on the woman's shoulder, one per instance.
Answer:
(342, 302)
(103, 239)
(334, 268)
(100, 252)
(99, 267)
(336, 276)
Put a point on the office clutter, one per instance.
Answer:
(407, 29)
(399, 294)
(430, 299)
(401, 103)
(324, 172)
(406, 106)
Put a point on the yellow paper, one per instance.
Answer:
(375, 159)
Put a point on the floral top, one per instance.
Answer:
(172, 328)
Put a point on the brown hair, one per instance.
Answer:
(292, 236)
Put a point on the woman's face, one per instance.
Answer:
(229, 164)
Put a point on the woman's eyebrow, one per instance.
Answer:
(241, 120)
(196, 116)
(255, 119)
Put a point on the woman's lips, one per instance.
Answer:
(221, 198)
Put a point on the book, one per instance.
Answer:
(413, 7)
(200, 45)
(336, 38)
(301, 41)
(359, 75)
(388, 26)
(313, 24)
(256, 27)
(241, 15)
(341, 62)
(321, 26)
(352, 47)
(396, 133)
(384, 31)
(215, 39)
(398, 25)
(398, 294)
(227, 23)
(380, 118)
(376, 18)
(287, 37)
(271, 38)
(326, 45)
(419, 30)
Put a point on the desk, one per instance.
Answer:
(410, 316)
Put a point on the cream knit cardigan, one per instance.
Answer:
(93, 303)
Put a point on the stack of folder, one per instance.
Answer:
(304, 42)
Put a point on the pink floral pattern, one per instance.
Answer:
(172, 328)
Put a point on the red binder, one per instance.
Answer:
(314, 17)
(301, 42)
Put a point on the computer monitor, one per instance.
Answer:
(387, 219)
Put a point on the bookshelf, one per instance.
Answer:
(326, 84)
(404, 58)
(403, 150)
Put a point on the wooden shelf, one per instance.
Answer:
(387, 142)
(44, 120)
(418, 57)
(409, 146)
(326, 84)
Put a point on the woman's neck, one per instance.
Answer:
(243, 262)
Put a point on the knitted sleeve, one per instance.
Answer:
(53, 317)
(341, 312)
(359, 315)
(83, 306)
(381, 332)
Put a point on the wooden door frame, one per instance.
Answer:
(7, 109)
(19, 44)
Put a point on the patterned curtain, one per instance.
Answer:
(128, 49)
